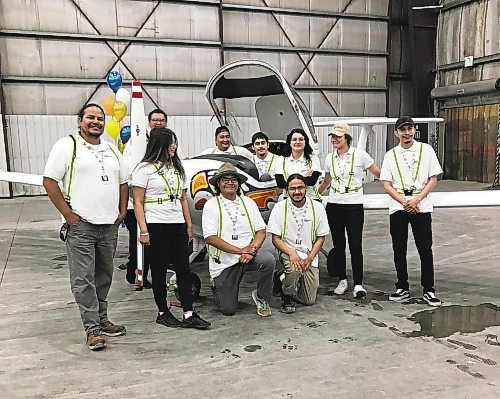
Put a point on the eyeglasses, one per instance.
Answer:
(158, 120)
(229, 180)
(293, 189)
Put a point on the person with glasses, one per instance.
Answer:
(409, 173)
(345, 170)
(298, 226)
(298, 157)
(159, 188)
(234, 231)
(224, 146)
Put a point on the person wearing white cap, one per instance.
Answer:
(409, 173)
(345, 170)
(234, 231)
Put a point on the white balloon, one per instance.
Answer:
(123, 95)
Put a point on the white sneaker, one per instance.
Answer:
(359, 292)
(341, 288)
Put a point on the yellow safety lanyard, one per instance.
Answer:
(340, 180)
(270, 163)
(415, 173)
(72, 168)
(172, 195)
(232, 148)
(216, 255)
(314, 221)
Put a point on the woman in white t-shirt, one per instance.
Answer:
(345, 169)
(162, 212)
(298, 158)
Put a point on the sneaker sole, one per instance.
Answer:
(195, 327)
(97, 347)
(399, 299)
(168, 325)
(436, 305)
(257, 304)
(116, 334)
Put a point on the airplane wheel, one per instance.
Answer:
(195, 287)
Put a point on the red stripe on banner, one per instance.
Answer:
(139, 272)
(137, 94)
(136, 83)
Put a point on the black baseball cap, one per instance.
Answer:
(404, 120)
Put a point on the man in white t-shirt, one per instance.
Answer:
(223, 145)
(264, 160)
(234, 230)
(299, 226)
(94, 203)
(409, 173)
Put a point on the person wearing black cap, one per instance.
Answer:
(409, 173)
(234, 230)
(345, 169)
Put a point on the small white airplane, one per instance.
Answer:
(278, 109)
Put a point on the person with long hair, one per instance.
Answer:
(345, 168)
(161, 209)
(298, 158)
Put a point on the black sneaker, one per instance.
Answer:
(399, 295)
(431, 299)
(287, 304)
(195, 321)
(167, 319)
(147, 285)
(277, 284)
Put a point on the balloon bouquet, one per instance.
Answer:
(116, 107)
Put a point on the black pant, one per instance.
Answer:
(131, 223)
(169, 249)
(422, 233)
(350, 218)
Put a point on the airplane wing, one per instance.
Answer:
(25, 178)
(442, 199)
(374, 121)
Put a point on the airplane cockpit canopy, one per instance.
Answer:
(256, 90)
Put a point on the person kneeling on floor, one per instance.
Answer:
(234, 232)
(299, 226)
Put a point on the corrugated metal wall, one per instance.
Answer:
(4, 187)
(32, 136)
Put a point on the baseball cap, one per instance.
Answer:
(404, 120)
(339, 129)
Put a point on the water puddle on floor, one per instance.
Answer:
(447, 320)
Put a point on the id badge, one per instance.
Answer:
(342, 189)
(105, 179)
(298, 242)
(234, 237)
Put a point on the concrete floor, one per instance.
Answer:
(337, 348)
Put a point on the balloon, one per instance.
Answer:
(112, 127)
(119, 110)
(121, 146)
(125, 134)
(114, 80)
(107, 104)
(123, 95)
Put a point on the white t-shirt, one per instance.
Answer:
(288, 166)
(268, 164)
(341, 178)
(158, 207)
(299, 222)
(99, 171)
(232, 150)
(408, 161)
(238, 234)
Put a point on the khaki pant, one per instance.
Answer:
(301, 286)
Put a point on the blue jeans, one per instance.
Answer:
(90, 248)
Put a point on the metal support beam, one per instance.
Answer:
(458, 3)
(187, 43)
(488, 59)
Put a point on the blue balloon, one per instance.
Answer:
(125, 134)
(114, 80)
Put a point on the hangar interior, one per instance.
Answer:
(346, 58)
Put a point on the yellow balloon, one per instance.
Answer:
(112, 127)
(107, 104)
(119, 110)
(121, 146)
